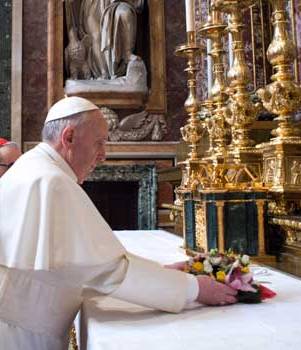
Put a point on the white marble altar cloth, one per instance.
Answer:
(110, 324)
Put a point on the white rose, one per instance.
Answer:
(207, 266)
(235, 264)
(245, 259)
(215, 260)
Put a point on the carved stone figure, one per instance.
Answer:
(99, 56)
(76, 57)
(135, 127)
(89, 25)
(112, 27)
(296, 173)
(270, 172)
(119, 28)
(279, 171)
(134, 80)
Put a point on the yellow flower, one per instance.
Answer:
(245, 269)
(220, 276)
(198, 266)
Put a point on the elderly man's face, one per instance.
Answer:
(8, 155)
(89, 145)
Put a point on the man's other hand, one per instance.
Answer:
(214, 293)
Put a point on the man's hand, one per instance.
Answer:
(214, 293)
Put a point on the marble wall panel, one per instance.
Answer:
(175, 76)
(34, 104)
(5, 67)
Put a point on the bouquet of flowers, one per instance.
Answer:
(232, 270)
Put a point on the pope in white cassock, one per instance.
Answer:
(56, 249)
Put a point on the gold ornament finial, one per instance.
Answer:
(283, 96)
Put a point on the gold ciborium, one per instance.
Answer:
(283, 96)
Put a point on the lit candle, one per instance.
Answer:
(230, 43)
(209, 67)
(190, 11)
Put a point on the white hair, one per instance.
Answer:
(53, 129)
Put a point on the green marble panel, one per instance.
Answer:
(190, 229)
(212, 225)
(214, 196)
(241, 227)
(146, 177)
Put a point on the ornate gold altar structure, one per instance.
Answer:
(231, 196)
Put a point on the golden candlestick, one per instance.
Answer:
(214, 29)
(193, 131)
(242, 111)
(283, 95)
(218, 171)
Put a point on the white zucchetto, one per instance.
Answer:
(69, 106)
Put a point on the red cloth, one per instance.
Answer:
(3, 141)
(266, 293)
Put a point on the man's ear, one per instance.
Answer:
(67, 136)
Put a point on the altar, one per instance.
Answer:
(109, 324)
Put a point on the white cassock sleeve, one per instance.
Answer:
(145, 282)
(148, 283)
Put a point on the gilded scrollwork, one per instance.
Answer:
(192, 133)
(201, 232)
(281, 97)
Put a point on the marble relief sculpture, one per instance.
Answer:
(100, 59)
(102, 39)
(76, 57)
(296, 173)
(270, 171)
(113, 28)
(135, 127)
(133, 81)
